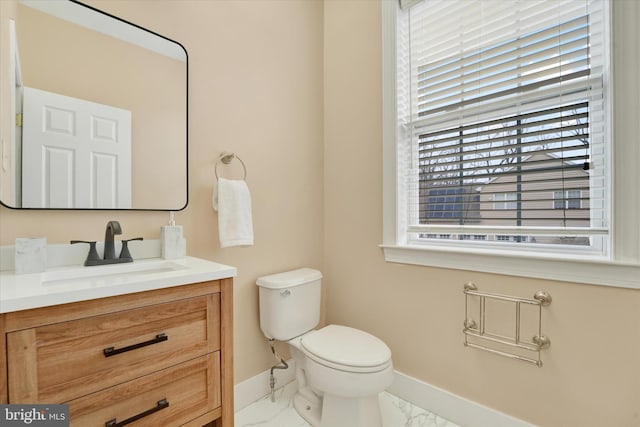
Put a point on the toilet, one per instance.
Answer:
(340, 370)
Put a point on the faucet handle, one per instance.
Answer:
(93, 256)
(124, 252)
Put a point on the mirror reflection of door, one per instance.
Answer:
(76, 153)
(13, 163)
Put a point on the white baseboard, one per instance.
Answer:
(255, 388)
(439, 401)
(454, 408)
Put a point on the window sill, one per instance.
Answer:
(593, 272)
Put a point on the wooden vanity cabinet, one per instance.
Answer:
(162, 357)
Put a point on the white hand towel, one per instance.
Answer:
(232, 200)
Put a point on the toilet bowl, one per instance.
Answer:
(348, 368)
(339, 370)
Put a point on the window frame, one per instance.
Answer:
(620, 268)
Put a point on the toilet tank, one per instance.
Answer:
(289, 303)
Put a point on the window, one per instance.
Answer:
(504, 201)
(501, 127)
(570, 199)
(506, 238)
(503, 112)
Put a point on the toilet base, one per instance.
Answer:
(334, 411)
(308, 405)
(351, 412)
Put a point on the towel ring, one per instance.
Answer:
(226, 159)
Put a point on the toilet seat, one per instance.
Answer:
(346, 349)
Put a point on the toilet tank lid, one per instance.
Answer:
(289, 278)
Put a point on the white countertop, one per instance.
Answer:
(63, 285)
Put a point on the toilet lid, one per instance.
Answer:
(346, 346)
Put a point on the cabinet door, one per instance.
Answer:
(59, 362)
(170, 397)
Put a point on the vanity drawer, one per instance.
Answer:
(62, 361)
(167, 398)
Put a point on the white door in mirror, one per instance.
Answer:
(79, 153)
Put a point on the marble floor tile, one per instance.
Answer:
(281, 413)
(399, 413)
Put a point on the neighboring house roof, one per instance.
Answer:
(533, 158)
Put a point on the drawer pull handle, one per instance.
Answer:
(164, 403)
(112, 351)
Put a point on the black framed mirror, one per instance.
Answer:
(93, 111)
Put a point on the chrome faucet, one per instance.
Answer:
(113, 228)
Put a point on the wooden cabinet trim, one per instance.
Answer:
(24, 343)
(226, 312)
(206, 419)
(77, 310)
(4, 368)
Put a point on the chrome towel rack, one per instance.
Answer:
(226, 158)
(515, 345)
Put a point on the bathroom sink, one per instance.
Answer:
(62, 285)
(109, 272)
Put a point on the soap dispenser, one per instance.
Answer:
(173, 245)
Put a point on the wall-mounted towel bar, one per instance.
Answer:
(226, 158)
(477, 335)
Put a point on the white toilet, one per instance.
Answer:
(340, 370)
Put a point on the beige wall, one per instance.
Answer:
(590, 375)
(255, 89)
(259, 73)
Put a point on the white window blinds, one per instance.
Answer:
(504, 97)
